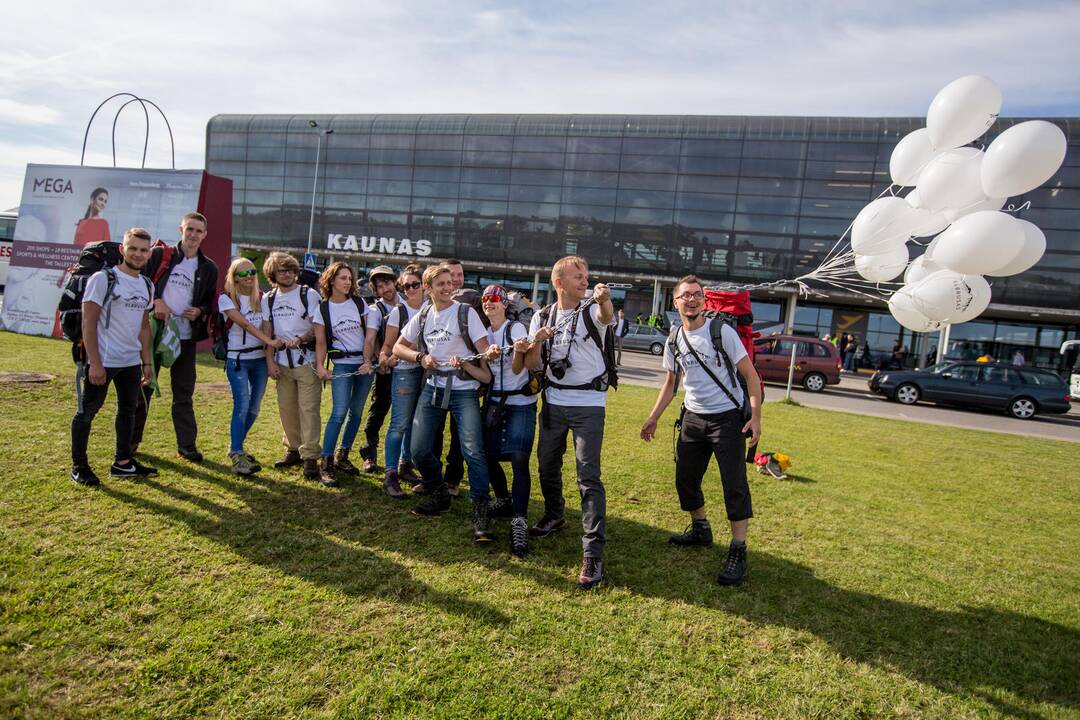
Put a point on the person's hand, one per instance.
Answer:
(365, 369)
(522, 346)
(293, 343)
(324, 373)
(387, 360)
(648, 430)
(455, 362)
(96, 374)
(161, 310)
(192, 313)
(277, 343)
(544, 334)
(754, 426)
(601, 292)
(492, 352)
(147, 375)
(273, 370)
(429, 363)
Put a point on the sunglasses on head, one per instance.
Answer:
(245, 273)
(491, 298)
(410, 285)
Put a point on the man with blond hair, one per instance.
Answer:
(569, 341)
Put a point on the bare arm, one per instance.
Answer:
(91, 313)
(238, 319)
(386, 353)
(753, 386)
(663, 399)
(145, 350)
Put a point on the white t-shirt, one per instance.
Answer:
(502, 372)
(348, 332)
(444, 340)
(393, 320)
(586, 359)
(238, 337)
(703, 396)
(291, 322)
(179, 291)
(118, 344)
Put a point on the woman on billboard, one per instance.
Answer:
(93, 227)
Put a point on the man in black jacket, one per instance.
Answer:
(185, 290)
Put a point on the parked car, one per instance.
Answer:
(817, 363)
(644, 337)
(1022, 392)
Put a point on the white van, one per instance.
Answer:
(1074, 378)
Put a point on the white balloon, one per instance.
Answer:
(952, 179)
(987, 203)
(980, 243)
(919, 268)
(882, 226)
(902, 307)
(884, 267)
(910, 156)
(925, 223)
(929, 252)
(962, 111)
(951, 297)
(1022, 158)
(1030, 253)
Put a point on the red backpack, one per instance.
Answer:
(734, 309)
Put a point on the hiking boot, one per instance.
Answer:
(241, 465)
(255, 466)
(190, 454)
(369, 466)
(698, 532)
(392, 487)
(438, 501)
(289, 459)
(735, 568)
(407, 472)
(327, 474)
(311, 468)
(481, 521)
(519, 536)
(502, 508)
(133, 469)
(342, 464)
(592, 573)
(84, 475)
(547, 525)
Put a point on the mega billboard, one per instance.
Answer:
(67, 207)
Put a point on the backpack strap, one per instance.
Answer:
(270, 297)
(716, 327)
(110, 285)
(463, 326)
(403, 316)
(328, 327)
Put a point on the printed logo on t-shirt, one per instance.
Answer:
(181, 281)
(347, 325)
(283, 311)
(130, 302)
(437, 335)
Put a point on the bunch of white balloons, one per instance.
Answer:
(958, 192)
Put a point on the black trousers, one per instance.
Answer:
(182, 380)
(376, 415)
(92, 397)
(454, 468)
(701, 438)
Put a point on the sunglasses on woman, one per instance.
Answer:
(491, 299)
(245, 273)
(410, 285)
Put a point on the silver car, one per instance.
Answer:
(644, 337)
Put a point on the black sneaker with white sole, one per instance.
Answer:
(83, 475)
(547, 525)
(134, 468)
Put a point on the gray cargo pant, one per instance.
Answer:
(587, 424)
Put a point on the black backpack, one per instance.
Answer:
(102, 255)
(328, 329)
(610, 377)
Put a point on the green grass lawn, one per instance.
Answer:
(906, 570)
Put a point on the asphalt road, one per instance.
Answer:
(853, 396)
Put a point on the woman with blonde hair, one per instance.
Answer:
(245, 364)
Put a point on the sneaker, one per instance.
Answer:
(311, 468)
(133, 469)
(592, 573)
(327, 472)
(241, 465)
(83, 475)
(698, 532)
(481, 521)
(342, 464)
(519, 536)
(392, 487)
(255, 466)
(370, 466)
(735, 570)
(407, 473)
(502, 507)
(289, 459)
(189, 454)
(438, 501)
(547, 525)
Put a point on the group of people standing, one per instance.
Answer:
(424, 354)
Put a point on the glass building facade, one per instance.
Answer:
(644, 198)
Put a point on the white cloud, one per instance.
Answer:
(13, 112)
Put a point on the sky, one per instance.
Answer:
(59, 61)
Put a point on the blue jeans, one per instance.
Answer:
(465, 409)
(247, 378)
(404, 391)
(349, 393)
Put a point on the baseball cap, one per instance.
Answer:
(384, 270)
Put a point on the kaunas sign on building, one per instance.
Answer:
(380, 245)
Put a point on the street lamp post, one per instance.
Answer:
(315, 182)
